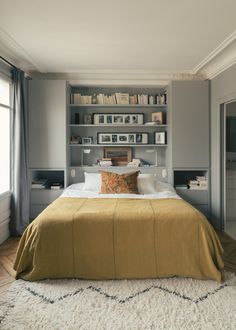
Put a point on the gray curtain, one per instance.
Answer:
(19, 155)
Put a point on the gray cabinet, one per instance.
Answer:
(47, 124)
(198, 198)
(40, 199)
(189, 123)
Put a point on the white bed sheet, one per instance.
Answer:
(76, 191)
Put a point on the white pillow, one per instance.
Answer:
(146, 184)
(163, 186)
(92, 182)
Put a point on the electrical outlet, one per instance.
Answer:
(164, 173)
(72, 172)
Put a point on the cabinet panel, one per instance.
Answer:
(190, 124)
(47, 124)
(44, 196)
(193, 196)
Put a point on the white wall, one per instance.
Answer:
(223, 89)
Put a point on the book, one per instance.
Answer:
(56, 185)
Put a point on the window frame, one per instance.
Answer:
(9, 107)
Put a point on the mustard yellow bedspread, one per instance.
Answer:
(117, 239)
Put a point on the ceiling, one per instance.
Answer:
(122, 36)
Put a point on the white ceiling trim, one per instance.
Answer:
(215, 52)
(219, 60)
(111, 77)
(16, 53)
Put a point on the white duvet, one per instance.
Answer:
(164, 190)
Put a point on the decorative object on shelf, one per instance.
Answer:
(87, 140)
(118, 156)
(87, 119)
(122, 138)
(76, 118)
(105, 162)
(134, 163)
(160, 137)
(118, 119)
(75, 139)
(158, 117)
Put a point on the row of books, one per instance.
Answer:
(119, 98)
(45, 184)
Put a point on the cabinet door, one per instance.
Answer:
(47, 124)
(190, 124)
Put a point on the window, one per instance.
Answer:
(4, 136)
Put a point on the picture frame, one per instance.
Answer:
(158, 117)
(87, 140)
(118, 156)
(118, 119)
(160, 138)
(122, 138)
(88, 119)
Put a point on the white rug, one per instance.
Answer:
(173, 303)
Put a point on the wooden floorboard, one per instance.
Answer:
(8, 251)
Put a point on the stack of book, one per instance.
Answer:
(77, 98)
(200, 183)
(56, 185)
(39, 184)
(105, 162)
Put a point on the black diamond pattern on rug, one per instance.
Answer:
(128, 298)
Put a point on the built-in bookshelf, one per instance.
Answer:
(125, 103)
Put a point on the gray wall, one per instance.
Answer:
(223, 89)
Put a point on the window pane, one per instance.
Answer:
(4, 150)
(4, 92)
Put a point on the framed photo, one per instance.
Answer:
(118, 119)
(87, 119)
(119, 156)
(122, 138)
(87, 140)
(160, 137)
(158, 117)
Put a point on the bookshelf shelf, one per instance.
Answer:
(117, 145)
(118, 105)
(109, 125)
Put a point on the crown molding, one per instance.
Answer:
(219, 60)
(120, 77)
(15, 53)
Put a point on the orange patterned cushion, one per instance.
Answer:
(113, 183)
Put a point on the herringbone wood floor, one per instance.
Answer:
(7, 256)
(8, 252)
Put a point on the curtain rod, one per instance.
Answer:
(7, 62)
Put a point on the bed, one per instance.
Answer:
(88, 235)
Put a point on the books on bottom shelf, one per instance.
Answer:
(39, 184)
(56, 186)
(200, 183)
